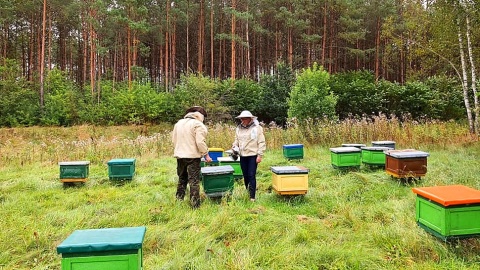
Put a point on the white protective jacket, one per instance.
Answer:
(189, 137)
(249, 141)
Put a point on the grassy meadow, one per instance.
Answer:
(360, 219)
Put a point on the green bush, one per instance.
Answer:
(239, 95)
(275, 91)
(198, 90)
(311, 96)
(357, 94)
(19, 102)
(62, 101)
(448, 103)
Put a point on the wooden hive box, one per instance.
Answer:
(121, 169)
(407, 163)
(103, 249)
(237, 170)
(215, 153)
(290, 180)
(293, 151)
(74, 171)
(217, 181)
(346, 157)
(448, 211)
(374, 155)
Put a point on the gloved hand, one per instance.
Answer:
(235, 153)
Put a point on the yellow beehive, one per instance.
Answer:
(290, 180)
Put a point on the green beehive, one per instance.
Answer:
(217, 181)
(346, 157)
(74, 171)
(374, 155)
(103, 249)
(237, 170)
(448, 211)
(121, 169)
(293, 151)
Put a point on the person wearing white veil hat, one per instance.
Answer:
(250, 145)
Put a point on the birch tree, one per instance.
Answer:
(464, 20)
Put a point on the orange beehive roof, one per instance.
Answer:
(449, 195)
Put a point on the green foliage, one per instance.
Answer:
(239, 95)
(120, 105)
(410, 100)
(198, 90)
(19, 102)
(357, 94)
(62, 101)
(447, 103)
(275, 91)
(311, 96)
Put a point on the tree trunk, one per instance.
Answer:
(324, 36)
(377, 50)
(92, 61)
(201, 37)
(474, 77)
(42, 55)
(167, 47)
(212, 66)
(84, 44)
(290, 47)
(188, 37)
(277, 42)
(173, 42)
(290, 43)
(465, 80)
(50, 39)
(129, 56)
(93, 49)
(234, 6)
(247, 34)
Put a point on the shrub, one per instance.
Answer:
(357, 94)
(275, 91)
(311, 96)
(19, 105)
(199, 90)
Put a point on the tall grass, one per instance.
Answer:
(348, 220)
(99, 144)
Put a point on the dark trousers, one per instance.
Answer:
(249, 170)
(188, 171)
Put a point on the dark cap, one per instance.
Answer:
(197, 109)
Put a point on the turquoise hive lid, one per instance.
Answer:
(122, 161)
(109, 239)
